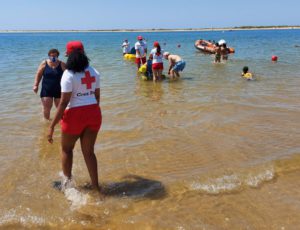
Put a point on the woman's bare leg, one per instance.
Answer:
(160, 73)
(47, 105)
(67, 144)
(87, 140)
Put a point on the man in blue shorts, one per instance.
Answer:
(176, 64)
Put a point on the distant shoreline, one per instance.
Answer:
(158, 30)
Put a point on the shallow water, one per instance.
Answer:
(209, 151)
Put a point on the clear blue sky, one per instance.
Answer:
(139, 14)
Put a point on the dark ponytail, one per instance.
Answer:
(158, 50)
(77, 61)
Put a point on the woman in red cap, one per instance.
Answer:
(156, 56)
(78, 112)
(49, 72)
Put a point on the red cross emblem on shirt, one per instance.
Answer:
(88, 80)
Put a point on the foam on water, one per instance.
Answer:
(233, 182)
(256, 180)
(12, 217)
(77, 198)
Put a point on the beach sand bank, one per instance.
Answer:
(157, 30)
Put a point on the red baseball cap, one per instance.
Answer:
(155, 44)
(140, 37)
(74, 45)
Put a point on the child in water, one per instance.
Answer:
(247, 75)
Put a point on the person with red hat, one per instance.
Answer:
(79, 112)
(49, 72)
(141, 51)
(156, 56)
(74, 45)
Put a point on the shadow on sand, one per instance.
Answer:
(131, 186)
(135, 187)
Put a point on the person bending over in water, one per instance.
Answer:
(79, 112)
(50, 72)
(176, 64)
(245, 74)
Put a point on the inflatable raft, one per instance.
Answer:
(130, 57)
(209, 47)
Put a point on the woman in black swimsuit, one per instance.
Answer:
(50, 72)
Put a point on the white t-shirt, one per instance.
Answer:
(82, 85)
(157, 58)
(141, 46)
(126, 47)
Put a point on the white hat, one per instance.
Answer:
(166, 53)
(221, 42)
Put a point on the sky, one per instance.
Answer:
(138, 14)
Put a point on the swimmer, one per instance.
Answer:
(247, 75)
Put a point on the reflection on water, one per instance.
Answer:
(206, 151)
(151, 90)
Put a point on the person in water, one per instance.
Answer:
(224, 52)
(126, 47)
(176, 64)
(50, 72)
(246, 74)
(141, 52)
(79, 112)
(217, 53)
(156, 56)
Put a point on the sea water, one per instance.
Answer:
(207, 151)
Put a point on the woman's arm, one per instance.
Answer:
(64, 101)
(97, 95)
(38, 76)
(63, 66)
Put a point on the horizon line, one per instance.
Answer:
(236, 28)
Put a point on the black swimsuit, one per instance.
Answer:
(51, 81)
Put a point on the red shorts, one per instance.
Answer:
(138, 61)
(158, 66)
(76, 120)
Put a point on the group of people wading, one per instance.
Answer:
(157, 54)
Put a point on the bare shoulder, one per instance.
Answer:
(63, 65)
(42, 65)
